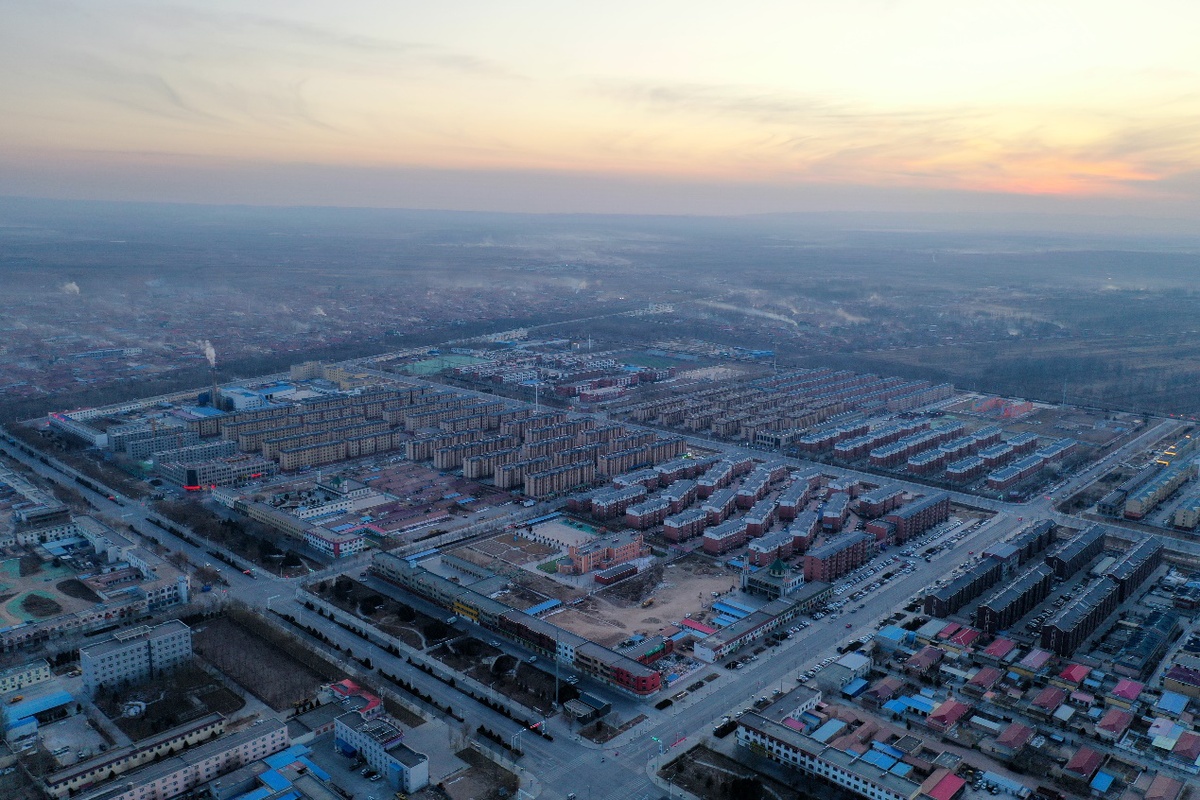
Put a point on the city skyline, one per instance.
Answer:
(672, 108)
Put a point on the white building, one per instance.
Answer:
(841, 768)
(335, 545)
(136, 654)
(175, 775)
(379, 742)
(19, 677)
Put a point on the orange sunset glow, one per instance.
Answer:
(1091, 101)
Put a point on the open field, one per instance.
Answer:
(432, 366)
(32, 588)
(507, 548)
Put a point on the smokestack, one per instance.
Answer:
(214, 399)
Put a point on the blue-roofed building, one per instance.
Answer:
(274, 781)
(855, 687)
(261, 793)
(1102, 782)
(918, 705)
(218, 758)
(21, 718)
(892, 637)
(829, 730)
(879, 759)
(1172, 703)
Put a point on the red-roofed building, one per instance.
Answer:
(924, 661)
(1084, 764)
(371, 706)
(1034, 663)
(1013, 738)
(1074, 674)
(983, 681)
(883, 690)
(1048, 700)
(1113, 724)
(1164, 787)
(999, 649)
(943, 785)
(1126, 693)
(1183, 680)
(948, 631)
(965, 637)
(1187, 748)
(947, 715)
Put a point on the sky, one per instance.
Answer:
(653, 106)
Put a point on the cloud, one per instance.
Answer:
(1015, 148)
(750, 312)
(70, 287)
(212, 70)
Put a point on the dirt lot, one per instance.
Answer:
(509, 549)
(483, 781)
(613, 613)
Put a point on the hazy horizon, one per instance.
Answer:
(675, 108)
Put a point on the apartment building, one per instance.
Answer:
(136, 654)
(119, 760)
(177, 775)
(833, 559)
